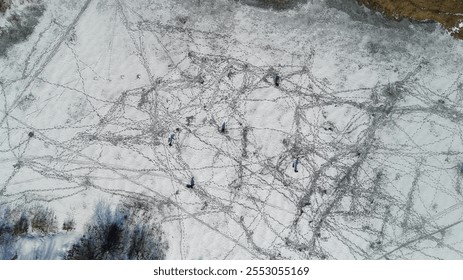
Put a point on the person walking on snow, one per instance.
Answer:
(295, 163)
(192, 183)
(171, 139)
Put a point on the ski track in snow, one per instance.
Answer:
(378, 166)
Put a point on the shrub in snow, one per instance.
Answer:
(21, 226)
(141, 240)
(6, 236)
(69, 224)
(116, 235)
(15, 222)
(43, 219)
(7, 251)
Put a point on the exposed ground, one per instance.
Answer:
(4, 5)
(18, 23)
(273, 4)
(449, 13)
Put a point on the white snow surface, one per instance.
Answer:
(372, 112)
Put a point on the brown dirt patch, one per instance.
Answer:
(449, 13)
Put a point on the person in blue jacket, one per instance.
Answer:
(171, 139)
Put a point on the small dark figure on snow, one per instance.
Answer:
(191, 184)
(31, 134)
(295, 163)
(276, 80)
(171, 139)
(223, 128)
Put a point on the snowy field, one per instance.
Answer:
(112, 100)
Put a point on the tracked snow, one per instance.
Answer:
(372, 113)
